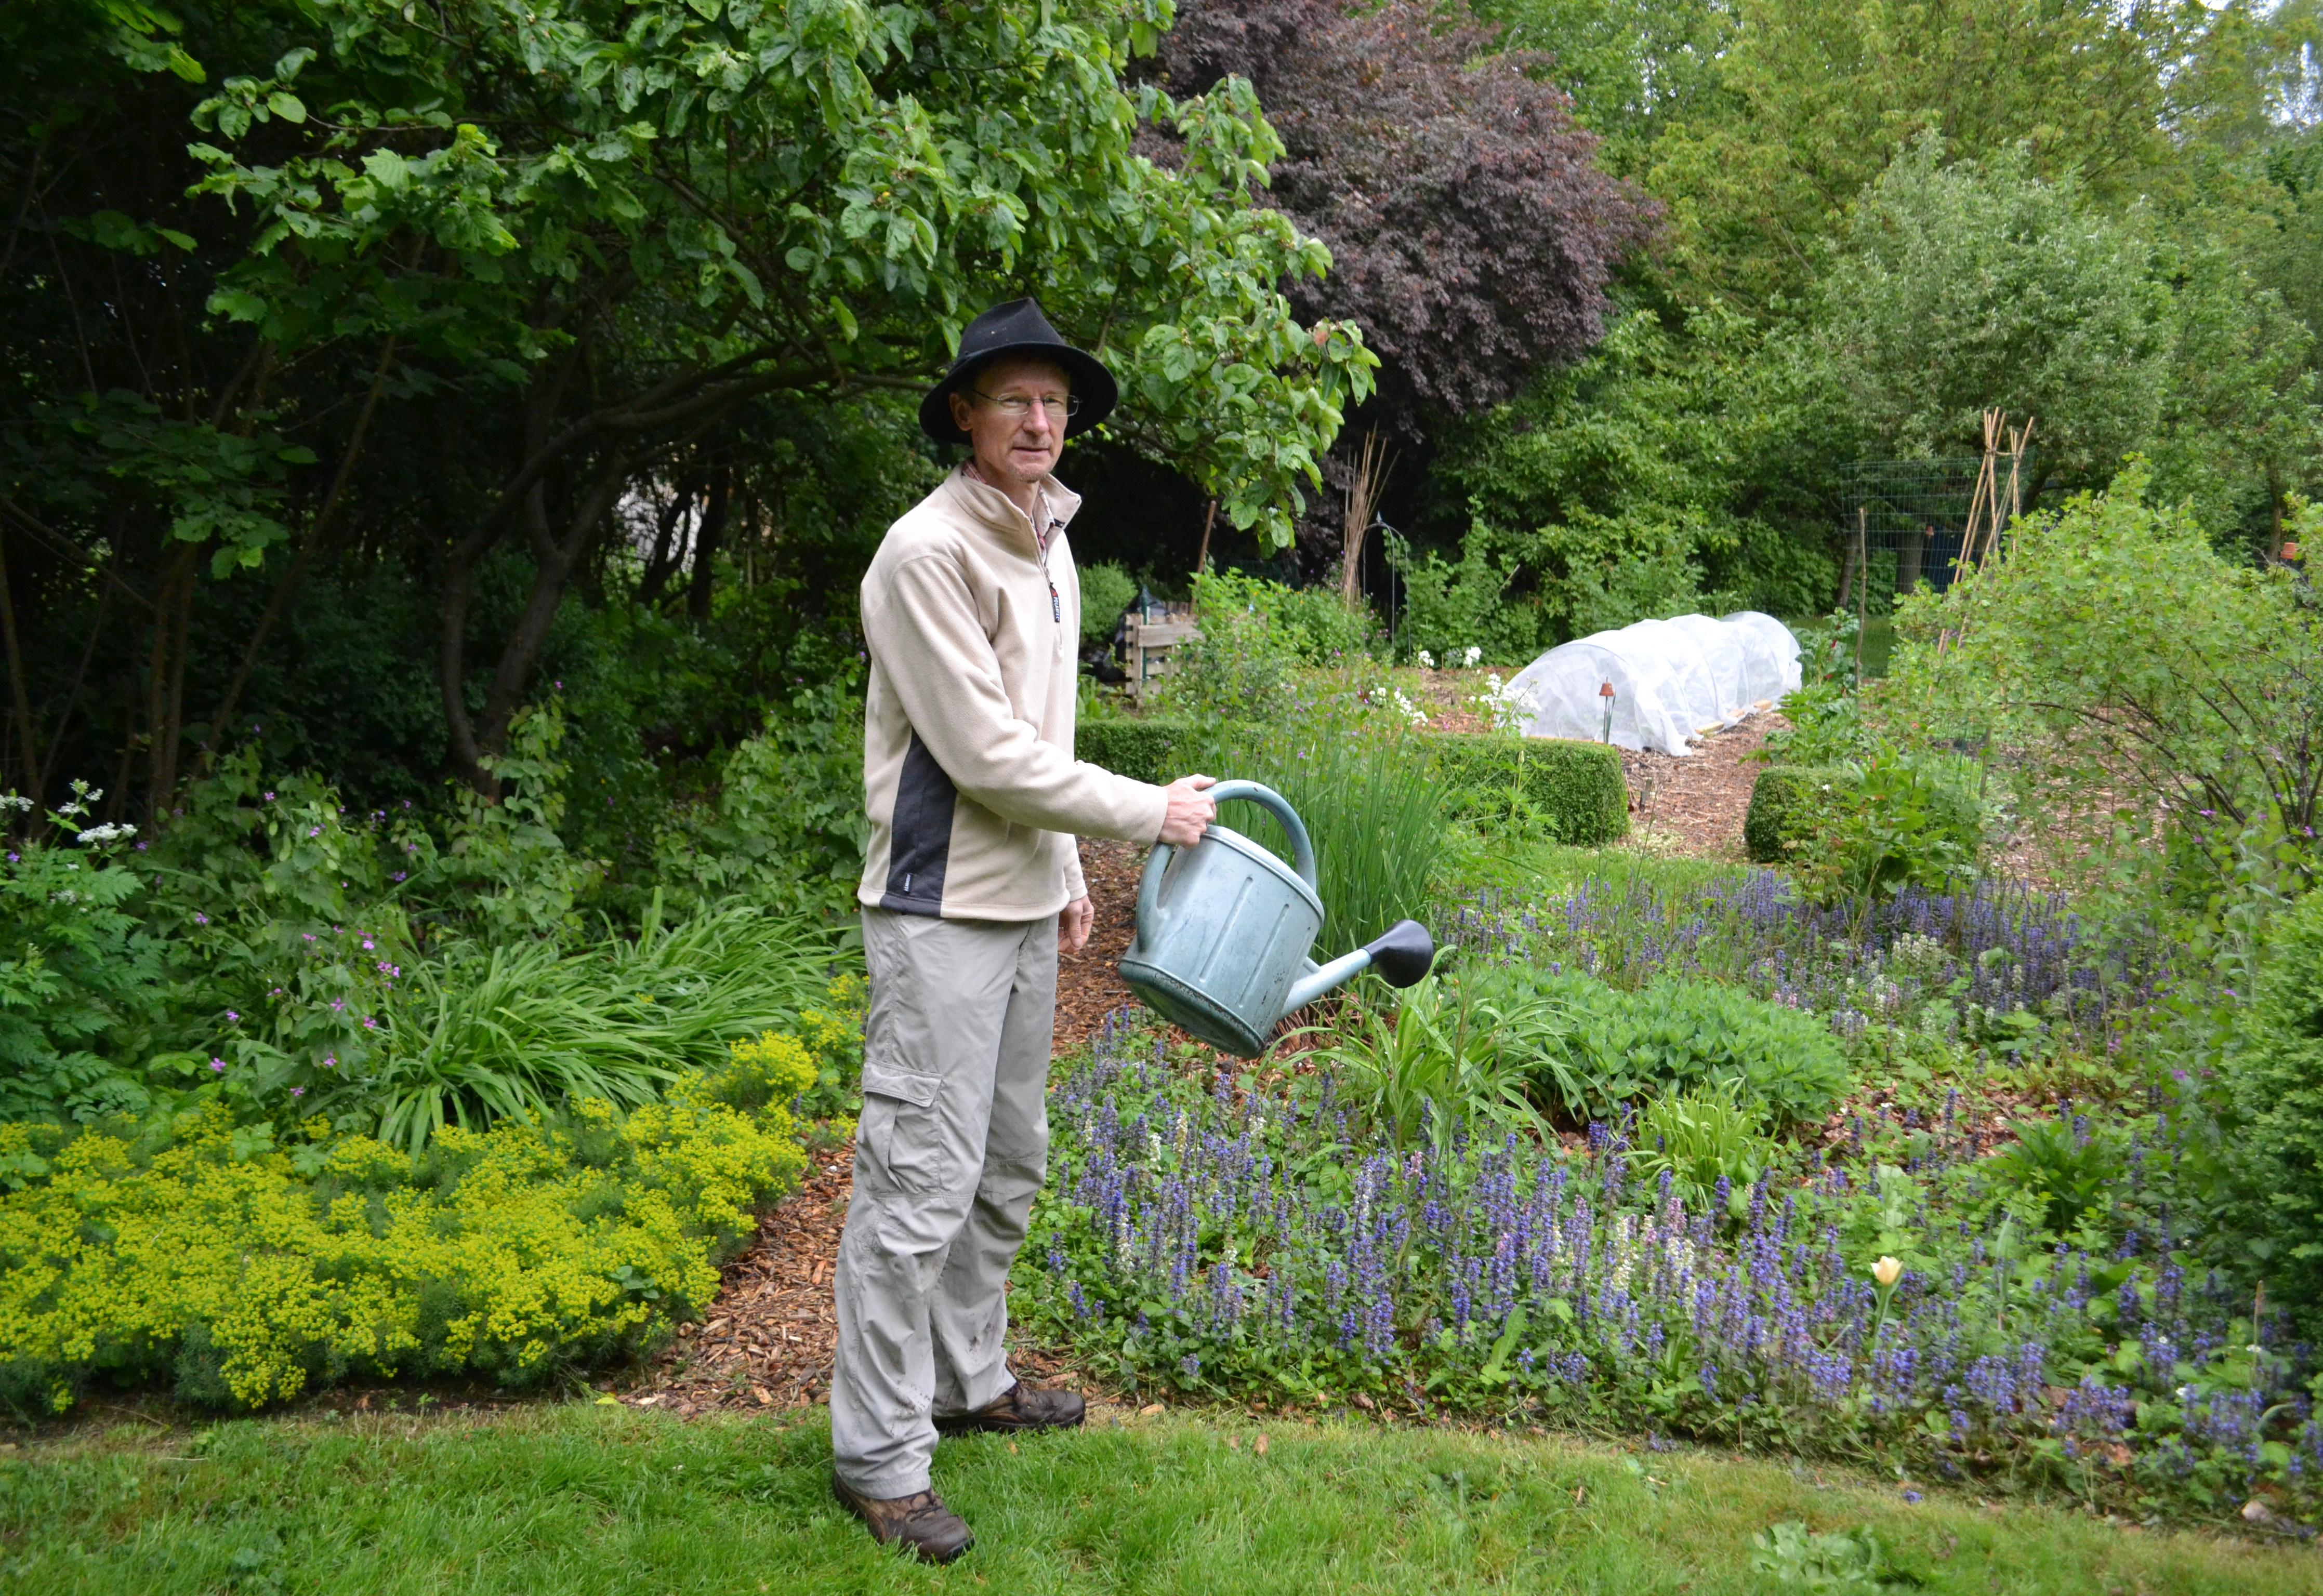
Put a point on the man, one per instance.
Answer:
(971, 612)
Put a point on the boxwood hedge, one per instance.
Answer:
(1572, 790)
(1787, 802)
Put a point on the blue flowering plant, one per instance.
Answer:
(1268, 1240)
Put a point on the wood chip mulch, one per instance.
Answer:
(1695, 805)
(1089, 982)
(769, 1338)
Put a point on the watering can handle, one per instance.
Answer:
(1302, 850)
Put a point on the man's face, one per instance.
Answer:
(1013, 413)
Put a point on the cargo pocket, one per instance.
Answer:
(901, 1129)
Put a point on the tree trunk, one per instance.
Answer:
(662, 564)
(27, 741)
(556, 557)
(706, 542)
(165, 679)
(1910, 554)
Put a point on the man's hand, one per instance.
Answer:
(1073, 925)
(1190, 810)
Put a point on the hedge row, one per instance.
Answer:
(1144, 750)
(1572, 790)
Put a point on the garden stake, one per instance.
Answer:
(1862, 581)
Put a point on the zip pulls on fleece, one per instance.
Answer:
(1045, 526)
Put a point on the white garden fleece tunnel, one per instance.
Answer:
(1673, 680)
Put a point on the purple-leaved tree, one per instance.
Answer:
(1471, 229)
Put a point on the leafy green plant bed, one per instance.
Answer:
(190, 1250)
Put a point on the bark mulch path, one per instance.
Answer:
(768, 1339)
(1695, 805)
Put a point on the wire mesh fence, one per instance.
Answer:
(1903, 523)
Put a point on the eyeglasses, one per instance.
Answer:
(1017, 405)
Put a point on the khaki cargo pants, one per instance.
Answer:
(949, 1153)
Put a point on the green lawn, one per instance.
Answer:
(578, 1498)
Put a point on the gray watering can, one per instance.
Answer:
(1224, 927)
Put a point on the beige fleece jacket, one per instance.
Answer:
(968, 775)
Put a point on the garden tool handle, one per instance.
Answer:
(1302, 849)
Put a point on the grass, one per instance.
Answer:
(584, 1498)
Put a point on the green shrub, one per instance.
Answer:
(1146, 749)
(787, 831)
(2276, 1077)
(1598, 1047)
(1105, 592)
(1908, 819)
(1826, 728)
(1787, 803)
(81, 981)
(190, 1248)
(1870, 827)
(1571, 792)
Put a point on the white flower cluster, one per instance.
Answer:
(108, 833)
(1411, 711)
(17, 801)
(1510, 707)
(1470, 657)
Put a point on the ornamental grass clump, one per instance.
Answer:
(189, 1250)
(1214, 1238)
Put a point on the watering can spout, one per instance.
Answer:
(1402, 955)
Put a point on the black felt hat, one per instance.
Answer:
(1018, 328)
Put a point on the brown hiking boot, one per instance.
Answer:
(920, 1524)
(1019, 1408)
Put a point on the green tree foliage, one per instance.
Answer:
(1813, 98)
(593, 239)
(2115, 646)
(1967, 286)
(1654, 477)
